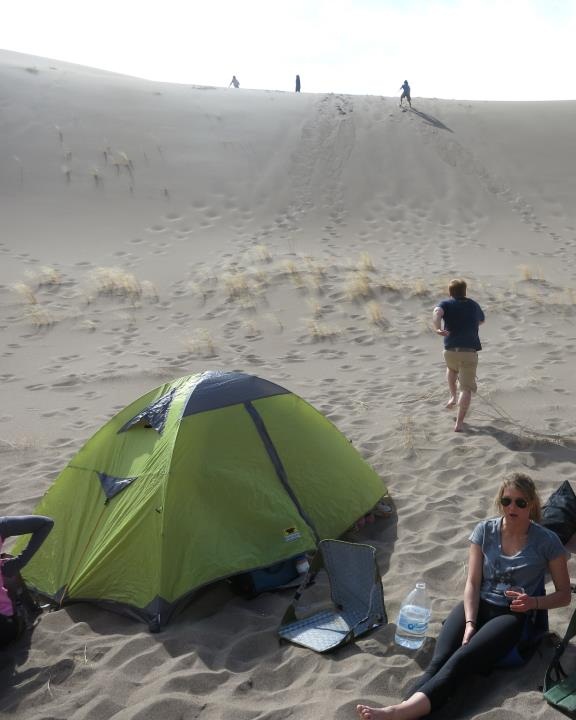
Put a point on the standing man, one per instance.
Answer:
(234, 82)
(405, 93)
(457, 320)
(297, 83)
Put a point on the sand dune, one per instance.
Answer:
(152, 230)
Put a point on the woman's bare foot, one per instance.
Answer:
(415, 707)
(451, 403)
(365, 712)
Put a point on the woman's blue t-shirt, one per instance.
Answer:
(525, 569)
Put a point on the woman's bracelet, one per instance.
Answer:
(470, 622)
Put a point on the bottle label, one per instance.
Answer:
(413, 622)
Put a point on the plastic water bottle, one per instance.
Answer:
(413, 618)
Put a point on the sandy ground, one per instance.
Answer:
(151, 230)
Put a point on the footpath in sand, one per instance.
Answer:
(151, 230)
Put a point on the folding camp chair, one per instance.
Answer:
(559, 686)
(356, 593)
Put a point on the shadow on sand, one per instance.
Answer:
(430, 119)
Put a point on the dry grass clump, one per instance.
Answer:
(316, 309)
(40, 318)
(570, 296)
(201, 344)
(243, 287)
(22, 442)
(366, 264)
(320, 331)
(25, 292)
(419, 288)
(275, 321)
(237, 285)
(407, 433)
(529, 274)
(374, 314)
(359, 286)
(203, 287)
(262, 253)
(391, 284)
(251, 331)
(316, 273)
(117, 282)
(261, 280)
(149, 291)
(291, 270)
(45, 277)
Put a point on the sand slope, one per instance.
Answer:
(151, 230)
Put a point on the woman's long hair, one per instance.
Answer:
(525, 485)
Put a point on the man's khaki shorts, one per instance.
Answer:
(465, 364)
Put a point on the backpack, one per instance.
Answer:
(26, 609)
(560, 686)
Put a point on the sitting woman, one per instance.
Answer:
(510, 551)
(39, 527)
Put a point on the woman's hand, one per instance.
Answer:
(520, 601)
(468, 632)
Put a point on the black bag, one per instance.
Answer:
(559, 512)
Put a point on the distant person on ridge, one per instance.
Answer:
(405, 93)
(297, 83)
(234, 82)
(457, 320)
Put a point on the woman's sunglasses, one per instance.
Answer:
(519, 502)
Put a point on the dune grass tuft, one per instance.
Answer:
(359, 286)
(201, 344)
(117, 282)
(374, 314)
(262, 253)
(529, 274)
(40, 318)
(25, 292)
(45, 276)
(366, 264)
(320, 331)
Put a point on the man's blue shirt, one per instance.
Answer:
(462, 317)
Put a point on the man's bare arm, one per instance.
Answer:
(437, 316)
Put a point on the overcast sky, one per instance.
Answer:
(466, 49)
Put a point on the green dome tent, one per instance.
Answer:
(208, 476)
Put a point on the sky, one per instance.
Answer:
(463, 49)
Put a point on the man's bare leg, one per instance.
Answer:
(452, 380)
(415, 707)
(463, 405)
